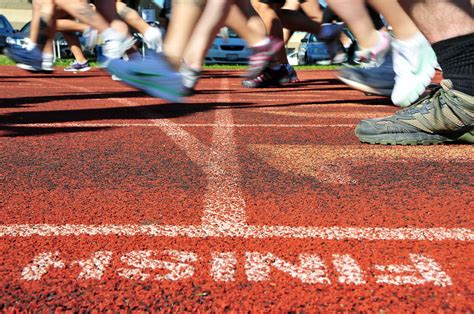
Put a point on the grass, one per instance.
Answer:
(4, 60)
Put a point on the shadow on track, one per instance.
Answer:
(11, 123)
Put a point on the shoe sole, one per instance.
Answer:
(80, 70)
(415, 139)
(365, 88)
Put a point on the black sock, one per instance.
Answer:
(456, 59)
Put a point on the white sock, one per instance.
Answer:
(262, 42)
(48, 57)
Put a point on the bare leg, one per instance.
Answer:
(273, 24)
(239, 22)
(65, 25)
(355, 14)
(184, 17)
(75, 46)
(449, 26)
(132, 18)
(211, 20)
(402, 24)
(441, 20)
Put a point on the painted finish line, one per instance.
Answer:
(241, 231)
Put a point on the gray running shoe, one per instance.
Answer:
(446, 115)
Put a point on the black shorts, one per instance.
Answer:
(270, 2)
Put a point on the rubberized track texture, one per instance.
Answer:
(238, 200)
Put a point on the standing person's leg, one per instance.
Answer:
(447, 115)
(449, 26)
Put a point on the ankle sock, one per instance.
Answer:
(456, 59)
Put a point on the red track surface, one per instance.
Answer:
(238, 200)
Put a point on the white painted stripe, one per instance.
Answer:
(223, 266)
(423, 270)
(41, 264)
(224, 208)
(176, 264)
(160, 124)
(310, 269)
(350, 272)
(261, 232)
(94, 267)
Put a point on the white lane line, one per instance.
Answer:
(160, 123)
(224, 208)
(247, 231)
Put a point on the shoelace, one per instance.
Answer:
(434, 97)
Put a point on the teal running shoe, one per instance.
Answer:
(153, 75)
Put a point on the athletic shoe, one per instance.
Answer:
(375, 80)
(446, 115)
(90, 36)
(153, 39)
(78, 67)
(190, 78)
(30, 60)
(290, 76)
(153, 75)
(47, 66)
(262, 55)
(414, 64)
(268, 78)
(114, 49)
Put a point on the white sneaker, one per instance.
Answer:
(116, 48)
(153, 39)
(414, 64)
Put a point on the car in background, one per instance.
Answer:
(312, 51)
(228, 48)
(8, 35)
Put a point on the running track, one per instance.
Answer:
(238, 200)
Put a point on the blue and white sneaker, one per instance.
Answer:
(30, 60)
(78, 67)
(153, 75)
(375, 80)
